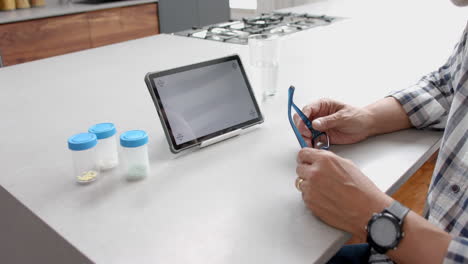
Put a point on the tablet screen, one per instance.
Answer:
(205, 100)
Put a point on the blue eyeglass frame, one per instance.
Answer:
(315, 133)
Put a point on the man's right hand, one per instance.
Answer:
(343, 123)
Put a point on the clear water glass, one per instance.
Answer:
(264, 63)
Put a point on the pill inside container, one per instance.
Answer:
(106, 149)
(135, 154)
(83, 151)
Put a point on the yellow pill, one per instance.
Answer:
(87, 176)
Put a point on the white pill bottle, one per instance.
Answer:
(83, 151)
(106, 149)
(135, 154)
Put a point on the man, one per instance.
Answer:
(337, 192)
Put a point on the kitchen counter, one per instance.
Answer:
(233, 202)
(57, 9)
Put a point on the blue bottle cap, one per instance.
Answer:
(103, 130)
(82, 141)
(133, 138)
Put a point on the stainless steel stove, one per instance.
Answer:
(275, 23)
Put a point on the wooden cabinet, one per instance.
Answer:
(36, 39)
(120, 24)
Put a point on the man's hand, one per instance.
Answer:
(337, 192)
(343, 123)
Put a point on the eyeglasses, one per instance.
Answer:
(320, 140)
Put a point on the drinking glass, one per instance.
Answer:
(264, 63)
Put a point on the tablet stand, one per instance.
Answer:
(214, 140)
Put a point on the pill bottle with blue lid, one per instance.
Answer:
(83, 149)
(106, 149)
(135, 154)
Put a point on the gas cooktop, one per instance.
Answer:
(272, 23)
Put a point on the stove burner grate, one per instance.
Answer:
(272, 23)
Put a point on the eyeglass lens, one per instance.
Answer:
(321, 142)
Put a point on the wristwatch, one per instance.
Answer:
(385, 229)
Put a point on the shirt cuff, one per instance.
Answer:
(421, 107)
(457, 251)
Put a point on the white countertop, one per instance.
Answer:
(233, 202)
(57, 9)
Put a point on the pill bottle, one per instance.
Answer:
(106, 149)
(135, 154)
(83, 151)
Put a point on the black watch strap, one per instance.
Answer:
(398, 210)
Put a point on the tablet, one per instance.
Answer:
(203, 103)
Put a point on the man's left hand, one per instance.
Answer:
(337, 192)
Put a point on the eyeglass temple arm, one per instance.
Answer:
(304, 118)
(307, 122)
(296, 131)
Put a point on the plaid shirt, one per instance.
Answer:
(440, 101)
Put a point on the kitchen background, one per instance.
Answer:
(37, 29)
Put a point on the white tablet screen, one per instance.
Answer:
(205, 100)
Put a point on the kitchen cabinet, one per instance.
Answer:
(178, 15)
(41, 38)
(121, 24)
(211, 12)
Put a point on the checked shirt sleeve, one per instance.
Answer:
(428, 102)
(457, 251)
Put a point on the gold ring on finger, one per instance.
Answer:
(299, 181)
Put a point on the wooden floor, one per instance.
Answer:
(413, 193)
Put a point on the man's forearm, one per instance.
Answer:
(423, 242)
(387, 115)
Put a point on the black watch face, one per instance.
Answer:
(384, 232)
